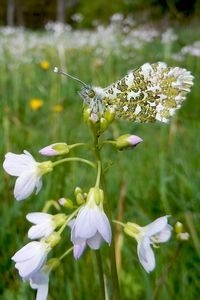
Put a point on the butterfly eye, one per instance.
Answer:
(91, 93)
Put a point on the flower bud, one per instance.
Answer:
(59, 219)
(67, 203)
(95, 196)
(127, 141)
(55, 149)
(45, 167)
(103, 124)
(53, 239)
(80, 198)
(180, 235)
(178, 227)
(109, 115)
(78, 190)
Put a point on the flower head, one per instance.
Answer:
(30, 259)
(156, 232)
(91, 225)
(45, 224)
(45, 65)
(28, 171)
(35, 104)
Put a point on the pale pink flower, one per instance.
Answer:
(91, 225)
(30, 259)
(44, 224)
(156, 232)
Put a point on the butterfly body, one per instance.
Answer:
(152, 92)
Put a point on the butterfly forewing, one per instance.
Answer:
(152, 92)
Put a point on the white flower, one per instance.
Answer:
(154, 233)
(45, 224)
(91, 225)
(40, 282)
(28, 171)
(31, 258)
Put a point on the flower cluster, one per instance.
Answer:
(31, 260)
(89, 224)
(85, 216)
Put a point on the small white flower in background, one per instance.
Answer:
(181, 235)
(45, 224)
(30, 259)
(28, 171)
(40, 282)
(156, 232)
(169, 36)
(55, 149)
(91, 226)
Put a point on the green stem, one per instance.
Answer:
(77, 145)
(69, 159)
(114, 275)
(67, 221)
(101, 277)
(66, 253)
(50, 203)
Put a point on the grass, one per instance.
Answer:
(161, 176)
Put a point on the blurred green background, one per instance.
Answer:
(99, 42)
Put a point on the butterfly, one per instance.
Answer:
(150, 93)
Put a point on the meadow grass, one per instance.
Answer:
(161, 176)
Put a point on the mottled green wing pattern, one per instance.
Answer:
(152, 92)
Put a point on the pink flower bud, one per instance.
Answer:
(55, 149)
(127, 141)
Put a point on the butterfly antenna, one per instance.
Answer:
(59, 71)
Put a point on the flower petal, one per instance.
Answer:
(156, 226)
(16, 164)
(103, 225)
(164, 235)
(40, 230)
(146, 255)
(25, 185)
(38, 217)
(78, 249)
(38, 184)
(95, 241)
(84, 226)
(40, 281)
(30, 258)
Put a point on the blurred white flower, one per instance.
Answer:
(45, 224)
(30, 259)
(156, 232)
(169, 36)
(193, 49)
(91, 225)
(28, 171)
